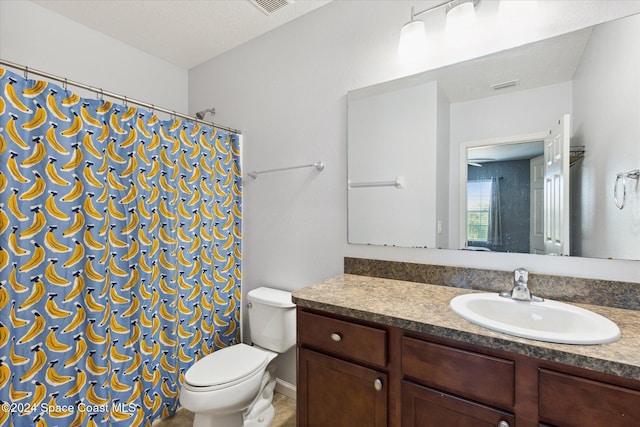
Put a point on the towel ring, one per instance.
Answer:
(619, 204)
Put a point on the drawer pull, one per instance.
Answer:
(336, 337)
(503, 423)
(377, 384)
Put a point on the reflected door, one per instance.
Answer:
(556, 188)
(536, 197)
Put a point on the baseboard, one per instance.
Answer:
(286, 388)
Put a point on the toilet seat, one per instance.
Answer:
(225, 368)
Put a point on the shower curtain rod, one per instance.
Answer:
(101, 92)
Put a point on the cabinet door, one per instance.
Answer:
(571, 401)
(332, 392)
(425, 407)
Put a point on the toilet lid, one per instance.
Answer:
(227, 365)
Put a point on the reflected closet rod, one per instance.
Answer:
(102, 93)
(317, 165)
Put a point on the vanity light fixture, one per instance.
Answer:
(412, 35)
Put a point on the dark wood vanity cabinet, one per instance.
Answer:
(358, 374)
(476, 376)
(333, 392)
(571, 400)
(342, 373)
(448, 386)
(423, 406)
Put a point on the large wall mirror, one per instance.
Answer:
(535, 150)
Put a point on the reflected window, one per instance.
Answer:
(478, 210)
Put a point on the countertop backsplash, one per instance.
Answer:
(607, 293)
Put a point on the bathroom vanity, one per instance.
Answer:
(382, 352)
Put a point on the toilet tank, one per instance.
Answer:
(272, 317)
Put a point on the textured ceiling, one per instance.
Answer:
(183, 32)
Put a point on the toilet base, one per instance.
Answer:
(263, 420)
(261, 411)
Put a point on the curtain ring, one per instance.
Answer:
(619, 204)
(125, 102)
(100, 95)
(64, 85)
(26, 72)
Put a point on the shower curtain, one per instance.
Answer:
(495, 214)
(120, 256)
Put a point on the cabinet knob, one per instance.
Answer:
(503, 423)
(336, 337)
(377, 384)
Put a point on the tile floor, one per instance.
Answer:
(285, 415)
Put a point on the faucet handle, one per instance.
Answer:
(520, 275)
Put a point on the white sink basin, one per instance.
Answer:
(549, 321)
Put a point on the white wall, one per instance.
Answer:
(608, 76)
(33, 36)
(287, 92)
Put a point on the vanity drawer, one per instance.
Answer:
(351, 340)
(422, 406)
(568, 400)
(483, 378)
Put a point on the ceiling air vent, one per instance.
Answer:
(270, 6)
(505, 85)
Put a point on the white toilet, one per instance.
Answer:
(233, 387)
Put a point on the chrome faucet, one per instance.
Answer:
(520, 290)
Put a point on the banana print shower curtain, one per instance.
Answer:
(120, 254)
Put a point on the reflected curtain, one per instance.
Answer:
(495, 214)
(120, 256)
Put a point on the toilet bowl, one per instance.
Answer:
(219, 387)
(233, 386)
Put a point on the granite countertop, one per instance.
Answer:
(425, 308)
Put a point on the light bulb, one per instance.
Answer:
(461, 18)
(461, 23)
(413, 40)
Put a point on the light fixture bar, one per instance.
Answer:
(412, 34)
(422, 12)
(455, 3)
(449, 4)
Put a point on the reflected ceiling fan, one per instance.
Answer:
(477, 162)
